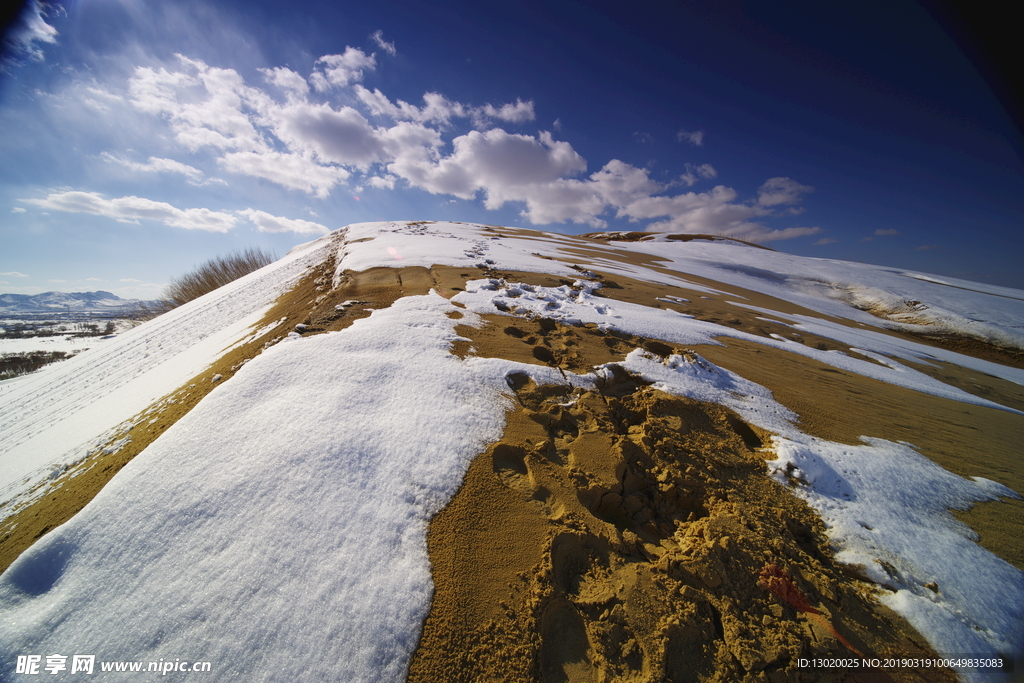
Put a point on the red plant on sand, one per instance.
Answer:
(773, 578)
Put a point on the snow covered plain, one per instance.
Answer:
(278, 529)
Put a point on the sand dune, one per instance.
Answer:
(669, 489)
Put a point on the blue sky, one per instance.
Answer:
(142, 137)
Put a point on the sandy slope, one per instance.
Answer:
(660, 518)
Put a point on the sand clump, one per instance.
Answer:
(626, 534)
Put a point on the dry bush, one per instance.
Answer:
(207, 277)
(17, 364)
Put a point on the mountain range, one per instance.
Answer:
(60, 302)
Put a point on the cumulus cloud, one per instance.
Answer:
(209, 107)
(315, 133)
(719, 212)
(621, 184)
(342, 136)
(30, 30)
(14, 273)
(776, 191)
(378, 37)
(519, 112)
(340, 70)
(386, 182)
(439, 109)
(266, 222)
(694, 173)
(890, 231)
(134, 209)
(695, 138)
(714, 211)
(286, 79)
(293, 171)
(501, 164)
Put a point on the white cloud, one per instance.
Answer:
(265, 222)
(101, 99)
(93, 279)
(18, 209)
(134, 209)
(288, 170)
(159, 165)
(694, 173)
(776, 191)
(926, 247)
(386, 182)
(14, 273)
(129, 279)
(211, 108)
(559, 201)
(695, 138)
(286, 79)
(29, 30)
(439, 109)
(890, 231)
(301, 142)
(786, 234)
(379, 104)
(520, 112)
(378, 37)
(340, 70)
(825, 240)
(57, 281)
(340, 136)
(502, 164)
(619, 183)
(714, 212)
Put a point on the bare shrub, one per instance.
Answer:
(17, 364)
(207, 277)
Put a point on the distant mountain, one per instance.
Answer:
(63, 301)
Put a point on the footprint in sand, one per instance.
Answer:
(510, 466)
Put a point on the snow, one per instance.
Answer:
(839, 287)
(55, 416)
(835, 288)
(264, 522)
(883, 502)
(579, 305)
(278, 529)
(886, 508)
(65, 344)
